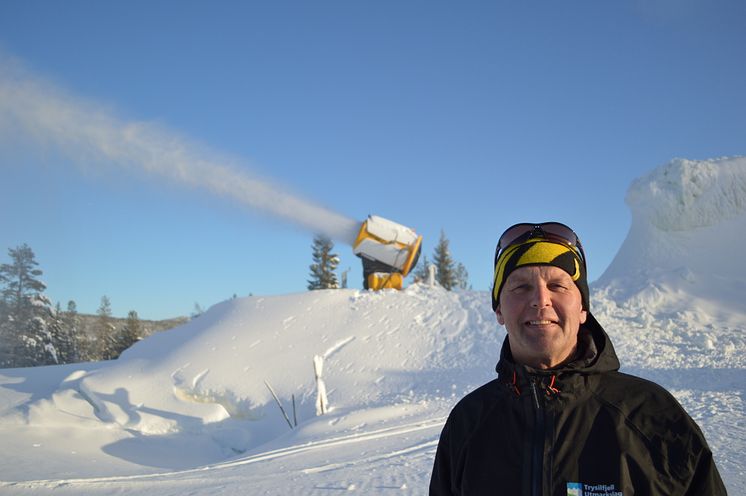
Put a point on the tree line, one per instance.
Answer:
(448, 273)
(33, 332)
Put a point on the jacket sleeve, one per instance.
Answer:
(442, 476)
(678, 445)
(706, 478)
(697, 465)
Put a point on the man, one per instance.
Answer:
(560, 419)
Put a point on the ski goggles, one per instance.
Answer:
(552, 231)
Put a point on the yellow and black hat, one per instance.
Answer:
(540, 251)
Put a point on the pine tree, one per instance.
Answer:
(323, 275)
(446, 275)
(26, 312)
(22, 290)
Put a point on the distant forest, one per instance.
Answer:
(33, 332)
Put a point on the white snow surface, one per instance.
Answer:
(189, 411)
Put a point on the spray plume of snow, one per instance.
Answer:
(42, 115)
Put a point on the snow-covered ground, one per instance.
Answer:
(190, 411)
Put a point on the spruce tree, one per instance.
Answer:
(446, 275)
(36, 347)
(323, 275)
(462, 277)
(80, 342)
(57, 334)
(63, 337)
(104, 347)
(130, 334)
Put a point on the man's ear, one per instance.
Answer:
(499, 315)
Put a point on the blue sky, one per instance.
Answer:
(461, 116)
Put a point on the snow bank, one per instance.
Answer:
(684, 247)
(201, 393)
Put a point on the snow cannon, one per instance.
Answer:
(388, 251)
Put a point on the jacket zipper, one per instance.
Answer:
(537, 458)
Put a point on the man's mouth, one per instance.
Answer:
(539, 322)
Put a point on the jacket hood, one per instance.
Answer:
(596, 355)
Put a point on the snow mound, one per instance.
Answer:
(684, 248)
(213, 388)
(686, 194)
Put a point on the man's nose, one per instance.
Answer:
(540, 297)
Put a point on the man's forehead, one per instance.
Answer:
(538, 271)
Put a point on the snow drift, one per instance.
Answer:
(190, 410)
(685, 245)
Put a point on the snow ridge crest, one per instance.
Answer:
(686, 194)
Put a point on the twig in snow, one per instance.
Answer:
(282, 409)
(295, 417)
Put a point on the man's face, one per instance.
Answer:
(542, 309)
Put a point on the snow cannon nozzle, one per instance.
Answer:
(389, 251)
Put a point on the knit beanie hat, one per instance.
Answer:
(540, 251)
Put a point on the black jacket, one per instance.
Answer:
(581, 429)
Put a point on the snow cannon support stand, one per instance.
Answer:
(388, 251)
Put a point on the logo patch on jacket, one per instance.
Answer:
(580, 489)
(574, 489)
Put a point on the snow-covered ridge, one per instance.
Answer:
(686, 194)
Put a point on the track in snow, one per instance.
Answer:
(434, 425)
